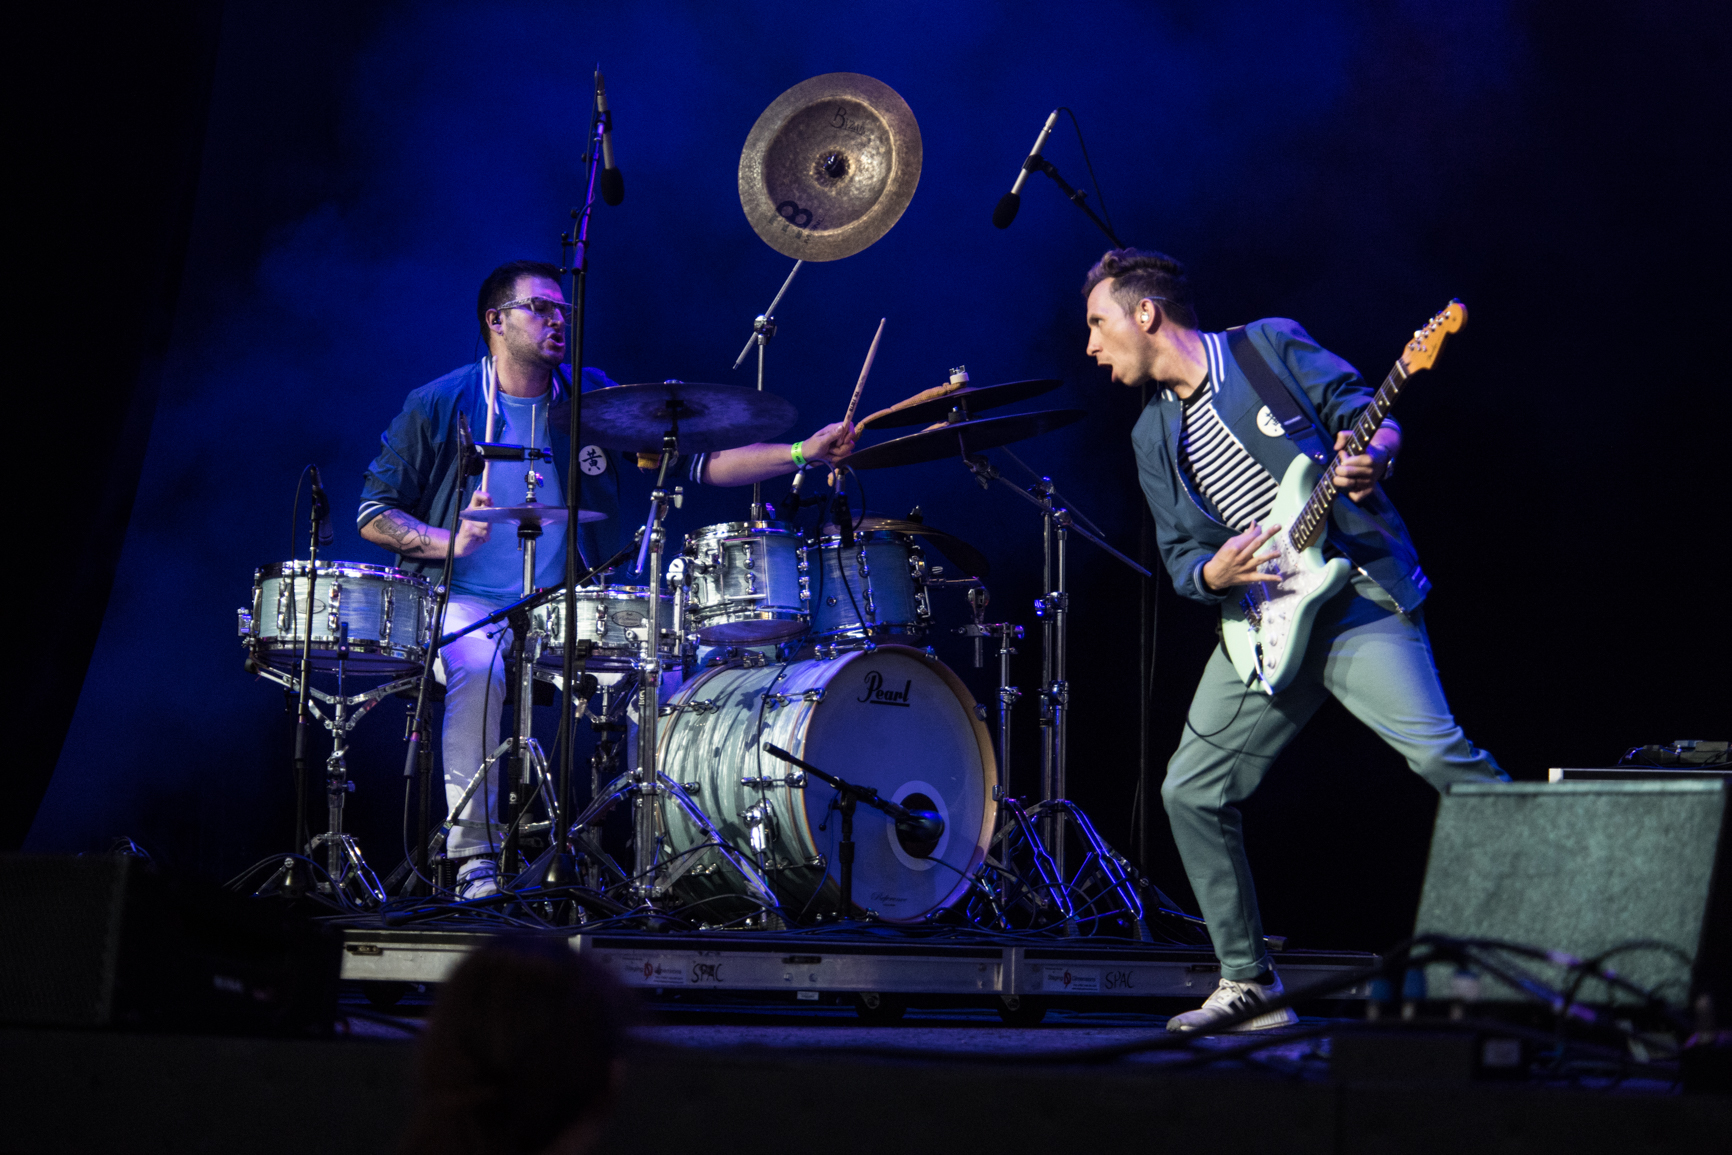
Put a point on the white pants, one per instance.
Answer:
(474, 676)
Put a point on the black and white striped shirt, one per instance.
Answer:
(1217, 463)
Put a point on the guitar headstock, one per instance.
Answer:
(1427, 343)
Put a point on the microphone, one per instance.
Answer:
(1012, 200)
(321, 510)
(612, 183)
(469, 461)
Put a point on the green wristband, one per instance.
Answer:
(794, 452)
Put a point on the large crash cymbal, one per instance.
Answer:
(970, 399)
(830, 166)
(710, 417)
(962, 438)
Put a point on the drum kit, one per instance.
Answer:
(776, 677)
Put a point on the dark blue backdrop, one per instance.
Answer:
(1350, 166)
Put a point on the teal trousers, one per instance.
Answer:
(1374, 660)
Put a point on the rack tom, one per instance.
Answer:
(745, 583)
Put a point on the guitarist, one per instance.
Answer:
(1210, 454)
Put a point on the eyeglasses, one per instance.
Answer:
(543, 307)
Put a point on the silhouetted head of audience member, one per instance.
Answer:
(520, 1055)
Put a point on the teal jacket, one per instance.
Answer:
(416, 470)
(1188, 528)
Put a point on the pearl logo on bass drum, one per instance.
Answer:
(877, 695)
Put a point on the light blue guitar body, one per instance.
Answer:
(1267, 629)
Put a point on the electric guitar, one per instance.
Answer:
(1267, 629)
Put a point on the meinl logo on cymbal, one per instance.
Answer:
(877, 695)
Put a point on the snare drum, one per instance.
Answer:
(388, 615)
(745, 583)
(874, 589)
(615, 618)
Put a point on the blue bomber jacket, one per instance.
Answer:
(1188, 530)
(416, 470)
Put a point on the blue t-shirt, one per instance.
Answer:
(496, 569)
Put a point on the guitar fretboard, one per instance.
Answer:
(1307, 529)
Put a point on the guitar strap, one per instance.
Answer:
(1274, 393)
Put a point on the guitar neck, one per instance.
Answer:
(1308, 528)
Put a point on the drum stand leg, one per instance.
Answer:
(344, 863)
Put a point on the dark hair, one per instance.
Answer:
(521, 1047)
(1137, 274)
(501, 285)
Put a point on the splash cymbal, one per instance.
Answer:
(830, 166)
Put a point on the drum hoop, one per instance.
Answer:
(352, 569)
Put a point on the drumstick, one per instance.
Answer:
(864, 370)
(489, 385)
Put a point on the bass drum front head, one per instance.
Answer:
(899, 721)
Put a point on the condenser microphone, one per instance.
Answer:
(612, 183)
(1012, 200)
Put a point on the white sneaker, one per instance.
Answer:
(477, 878)
(1230, 998)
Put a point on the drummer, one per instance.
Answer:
(517, 394)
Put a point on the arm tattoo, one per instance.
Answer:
(408, 536)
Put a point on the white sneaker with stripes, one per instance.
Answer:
(1232, 997)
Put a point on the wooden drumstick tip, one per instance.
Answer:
(865, 369)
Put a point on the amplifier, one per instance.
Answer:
(1586, 867)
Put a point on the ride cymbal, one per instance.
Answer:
(830, 166)
(962, 438)
(710, 417)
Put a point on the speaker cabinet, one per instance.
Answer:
(1585, 868)
(109, 942)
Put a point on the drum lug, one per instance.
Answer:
(814, 695)
(335, 604)
(387, 607)
(285, 602)
(931, 654)
(246, 617)
(805, 586)
(796, 781)
(818, 861)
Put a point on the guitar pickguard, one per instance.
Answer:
(1266, 630)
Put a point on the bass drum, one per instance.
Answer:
(889, 717)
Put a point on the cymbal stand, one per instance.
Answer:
(649, 871)
(526, 644)
(763, 328)
(1054, 810)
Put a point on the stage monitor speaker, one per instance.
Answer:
(1584, 868)
(110, 942)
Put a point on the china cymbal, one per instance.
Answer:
(830, 166)
(969, 399)
(536, 514)
(710, 417)
(963, 437)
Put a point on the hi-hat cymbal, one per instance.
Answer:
(710, 417)
(962, 438)
(536, 514)
(970, 399)
(830, 166)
